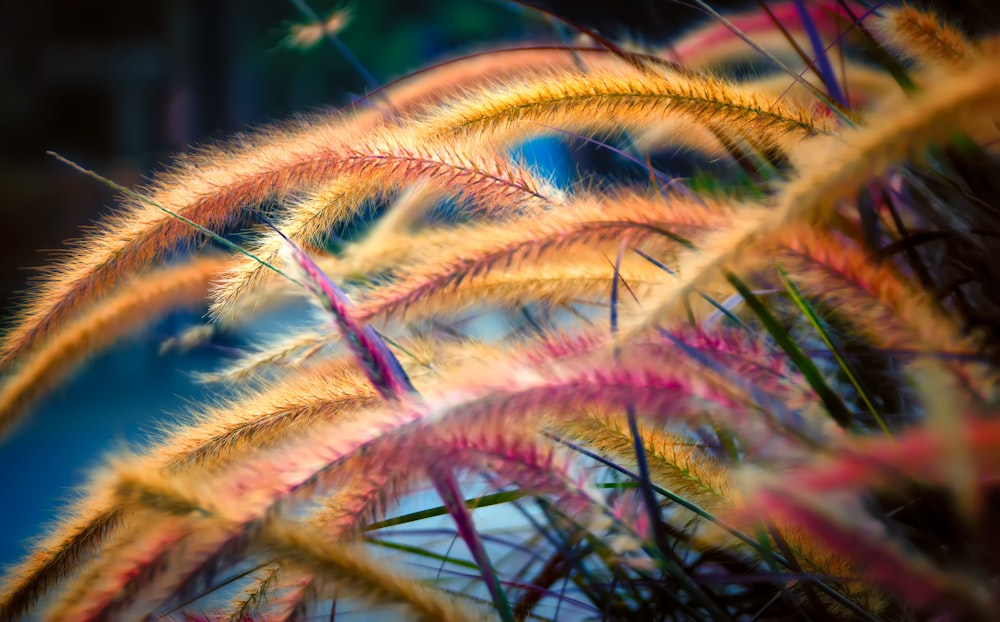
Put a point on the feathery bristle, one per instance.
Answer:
(132, 306)
(833, 169)
(924, 37)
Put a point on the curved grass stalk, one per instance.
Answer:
(676, 463)
(289, 351)
(377, 254)
(332, 391)
(587, 278)
(133, 305)
(580, 219)
(350, 569)
(86, 524)
(847, 278)
(874, 463)
(924, 37)
(257, 598)
(610, 101)
(835, 170)
(754, 372)
(488, 184)
(841, 274)
(445, 79)
(581, 225)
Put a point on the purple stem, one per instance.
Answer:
(380, 365)
(819, 50)
(451, 495)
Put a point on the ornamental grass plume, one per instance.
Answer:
(764, 392)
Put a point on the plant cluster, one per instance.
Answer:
(766, 392)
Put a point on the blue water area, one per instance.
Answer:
(117, 398)
(549, 156)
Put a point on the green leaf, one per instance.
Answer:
(475, 502)
(834, 404)
(838, 354)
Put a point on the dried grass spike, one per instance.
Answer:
(925, 37)
(380, 365)
(833, 169)
(350, 569)
(135, 304)
(608, 102)
(490, 185)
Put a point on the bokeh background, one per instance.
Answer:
(119, 85)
